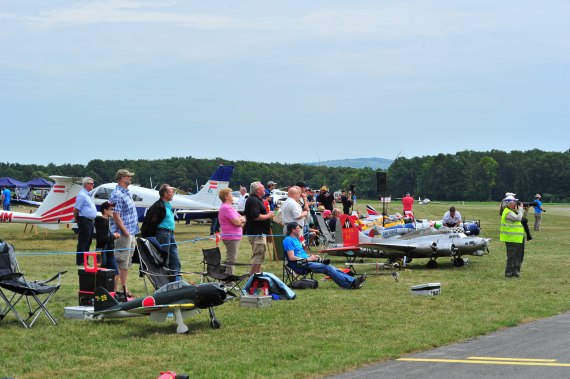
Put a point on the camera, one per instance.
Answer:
(527, 204)
(324, 261)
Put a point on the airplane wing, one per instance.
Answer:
(389, 246)
(341, 251)
(163, 308)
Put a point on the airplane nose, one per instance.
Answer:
(210, 295)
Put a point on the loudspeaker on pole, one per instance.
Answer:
(381, 182)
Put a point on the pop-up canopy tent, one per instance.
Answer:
(12, 183)
(39, 183)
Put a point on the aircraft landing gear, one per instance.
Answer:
(432, 264)
(458, 262)
(214, 323)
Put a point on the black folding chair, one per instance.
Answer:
(152, 264)
(214, 270)
(295, 271)
(12, 280)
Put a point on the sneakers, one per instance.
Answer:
(358, 282)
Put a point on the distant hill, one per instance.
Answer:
(374, 163)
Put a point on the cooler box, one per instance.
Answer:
(427, 289)
(255, 301)
(89, 280)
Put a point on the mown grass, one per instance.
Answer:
(322, 332)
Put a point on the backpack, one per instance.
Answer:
(304, 283)
(259, 287)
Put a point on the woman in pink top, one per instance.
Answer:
(231, 223)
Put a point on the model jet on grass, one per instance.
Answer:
(204, 204)
(179, 298)
(57, 208)
(423, 243)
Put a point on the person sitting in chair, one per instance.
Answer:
(298, 259)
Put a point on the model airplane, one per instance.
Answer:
(424, 201)
(179, 298)
(422, 243)
(204, 204)
(57, 208)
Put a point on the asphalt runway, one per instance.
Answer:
(536, 350)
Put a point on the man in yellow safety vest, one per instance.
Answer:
(512, 233)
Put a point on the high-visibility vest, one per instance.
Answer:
(511, 231)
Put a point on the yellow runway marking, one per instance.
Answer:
(512, 359)
(491, 361)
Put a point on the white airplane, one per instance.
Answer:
(204, 204)
(57, 207)
(424, 201)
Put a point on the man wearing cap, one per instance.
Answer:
(512, 234)
(268, 195)
(326, 199)
(257, 226)
(298, 260)
(159, 223)
(538, 209)
(125, 224)
(84, 213)
(346, 203)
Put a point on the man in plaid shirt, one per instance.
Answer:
(126, 224)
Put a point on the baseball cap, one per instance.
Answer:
(271, 183)
(537, 195)
(324, 188)
(509, 199)
(122, 173)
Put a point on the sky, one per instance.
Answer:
(281, 81)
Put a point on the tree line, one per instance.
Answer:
(466, 175)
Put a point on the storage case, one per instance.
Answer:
(427, 289)
(89, 280)
(255, 301)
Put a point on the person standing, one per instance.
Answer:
(346, 202)
(6, 197)
(268, 194)
(159, 223)
(84, 213)
(408, 204)
(538, 209)
(125, 224)
(257, 226)
(512, 234)
(105, 239)
(326, 199)
(243, 195)
(232, 224)
(292, 211)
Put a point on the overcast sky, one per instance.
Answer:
(281, 81)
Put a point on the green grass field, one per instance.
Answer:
(323, 331)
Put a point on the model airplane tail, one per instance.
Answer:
(371, 211)
(209, 192)
(103, 300)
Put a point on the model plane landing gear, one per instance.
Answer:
(458, 262)
(214, 323)
(432, 264)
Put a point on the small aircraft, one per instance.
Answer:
(57, 208)
(425, 242)
(424, 201)
(179, 298)
(204, 204)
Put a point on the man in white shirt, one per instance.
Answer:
(242, 198)
(451, 218)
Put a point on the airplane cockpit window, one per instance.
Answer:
(103, 193)
(173, 286)
(137, 197)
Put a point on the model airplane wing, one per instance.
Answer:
(389, 246)
(163, 308)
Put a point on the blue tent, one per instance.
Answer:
(12, 183)
(39, 183)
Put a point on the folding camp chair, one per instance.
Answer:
(12, 280)
(326, 238)
(214, 270)
(295, 271)
(152, 264)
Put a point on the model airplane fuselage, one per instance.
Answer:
(57, 208)
(204, 204)
(179, 298)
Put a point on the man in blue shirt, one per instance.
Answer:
(538, 209)
(297, 259)
(6, 197)
(125, 223)
(159, 223)
(84, 213)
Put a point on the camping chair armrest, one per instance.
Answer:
(183, 272)
(156, 275)
(56, 276)
(301, 262)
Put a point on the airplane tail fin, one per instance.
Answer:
(371, 211)
(219, 179)
(59, 202)
(103, 300)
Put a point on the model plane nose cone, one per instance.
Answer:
(210, 295)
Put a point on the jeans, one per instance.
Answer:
(342, 279)
(85, 226)
(168, 244)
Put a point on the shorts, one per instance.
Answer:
(124, 250)
(258, 249)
